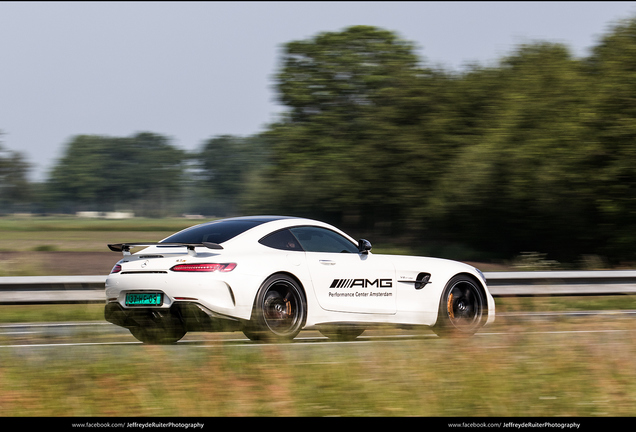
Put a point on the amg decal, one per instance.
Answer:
(361, 283)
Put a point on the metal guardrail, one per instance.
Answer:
(90, 289)
(562, 283)
(52, 289)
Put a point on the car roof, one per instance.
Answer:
(263, 218)
(257, 226)
(272, 223)
(263, 225)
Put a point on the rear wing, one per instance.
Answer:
(125, 247)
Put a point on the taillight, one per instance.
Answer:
(204, 267)
(116, 269)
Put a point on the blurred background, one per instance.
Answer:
(530, 153)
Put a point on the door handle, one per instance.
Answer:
(327, 262)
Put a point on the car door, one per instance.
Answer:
(344, 279)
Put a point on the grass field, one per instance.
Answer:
(81, 235)
(549, 370)
(73, 223)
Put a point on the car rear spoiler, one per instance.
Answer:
(125, 247)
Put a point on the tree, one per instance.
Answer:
(356, 100)
(142, 171)
(612, 66)
(522, 180)
(226, 165)
(342, 72)
(15, 189)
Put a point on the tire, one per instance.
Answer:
(280, 310)
(157, 328)
(462, 308)
(342, 333)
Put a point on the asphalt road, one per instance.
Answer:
(33, 335)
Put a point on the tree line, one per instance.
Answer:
(533, 153)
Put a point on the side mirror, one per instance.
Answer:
(364, 246)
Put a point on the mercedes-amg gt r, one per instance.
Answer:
(272, 276)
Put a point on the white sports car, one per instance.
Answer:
(271, 276)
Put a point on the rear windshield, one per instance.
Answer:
(213, 232)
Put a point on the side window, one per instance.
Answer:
(282, 239)
(315, 239)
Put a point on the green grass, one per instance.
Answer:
(50, 224)
(570, 303)
(11, 314)
(83, 235)
(72, 241)
(531, 373)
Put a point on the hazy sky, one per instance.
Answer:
(194, 70)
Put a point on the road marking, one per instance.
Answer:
(206, 343)
(66, 344)
(304, 341)
(20, 332)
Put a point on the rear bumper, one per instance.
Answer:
(212, 294)
(193, 316)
